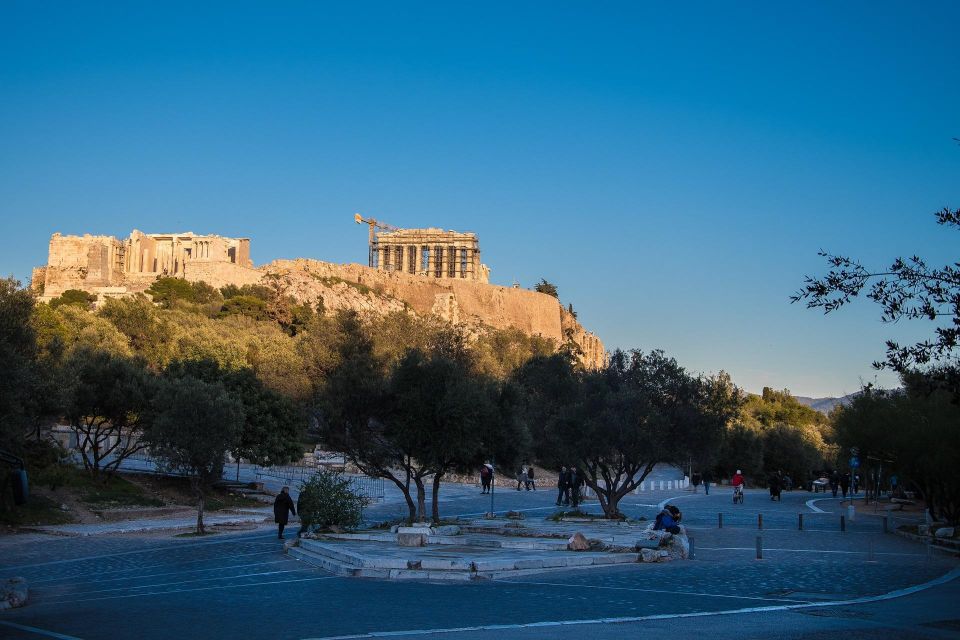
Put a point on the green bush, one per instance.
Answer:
(327, 500)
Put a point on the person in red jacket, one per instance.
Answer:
(737, 480)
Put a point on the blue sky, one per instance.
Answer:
(673, 171)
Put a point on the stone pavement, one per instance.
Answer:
(245, 517)
(243, 585)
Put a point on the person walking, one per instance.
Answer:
(531, 482)
(486, 476)
(563, 495)
(576, 482)
(282, 506)
(695, 480)
(707, 479)
(844, 484)
(521, 477)
(834, 482)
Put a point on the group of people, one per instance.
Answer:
(705, 478)
(778, 482)
(569, 486)
(844, 482)
(525, 477)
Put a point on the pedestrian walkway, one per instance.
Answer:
(245, 517)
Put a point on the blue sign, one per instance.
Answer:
(854, 462)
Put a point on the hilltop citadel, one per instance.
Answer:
(424, 271)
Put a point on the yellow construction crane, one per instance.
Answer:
(372, 241)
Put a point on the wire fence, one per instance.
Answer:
(373, 489)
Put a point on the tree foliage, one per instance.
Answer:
(615, 425)
(546, 287)
(105, 399)
(195, 424)
(18, 352)
(327, 499)
(272, 427)
(74, 296)
(167, 291)
(907, 289)
(913, 432)
(410, 423)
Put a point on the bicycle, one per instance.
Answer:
(738, 494)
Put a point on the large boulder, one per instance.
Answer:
(13, 593)
(578, 542)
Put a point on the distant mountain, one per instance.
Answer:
(824, 405)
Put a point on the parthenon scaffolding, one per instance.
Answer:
(430, 252)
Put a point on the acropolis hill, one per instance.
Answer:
(420, 271)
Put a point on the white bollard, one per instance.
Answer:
(851, 512)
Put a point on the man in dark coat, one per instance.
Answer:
(563, 487)
(281, 507)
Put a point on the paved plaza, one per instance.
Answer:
(818, 583)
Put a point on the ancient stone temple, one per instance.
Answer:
(429, 252)
(108, 266)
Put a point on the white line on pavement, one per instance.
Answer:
(679, 593)
(42, 632)
(810, 504)
(164, 593)
(169, 584)
(184, 571)
(663, 503)
(663, 616)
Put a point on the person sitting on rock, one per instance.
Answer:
(668, 520)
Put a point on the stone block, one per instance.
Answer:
(578, 542)
(424, 530)
(649, 555)
(404, 574)
(441, 564)
(558, 561)
(411, 539)
(945, 532)
(531, 563)
(495, 565)
(446, 530)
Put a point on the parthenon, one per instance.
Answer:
(430, 252)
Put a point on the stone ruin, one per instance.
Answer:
(108, 267)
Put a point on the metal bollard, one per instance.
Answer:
(759, 548)
(719, 521)
(843, 523)
(760, 521)
(692, 555)
(800, 521)
(885, 525)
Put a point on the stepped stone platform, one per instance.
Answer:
(483, 551)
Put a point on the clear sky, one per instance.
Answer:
(672, 169)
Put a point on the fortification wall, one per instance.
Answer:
(80, 262)
(220, 274)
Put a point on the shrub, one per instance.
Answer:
(327, 500)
